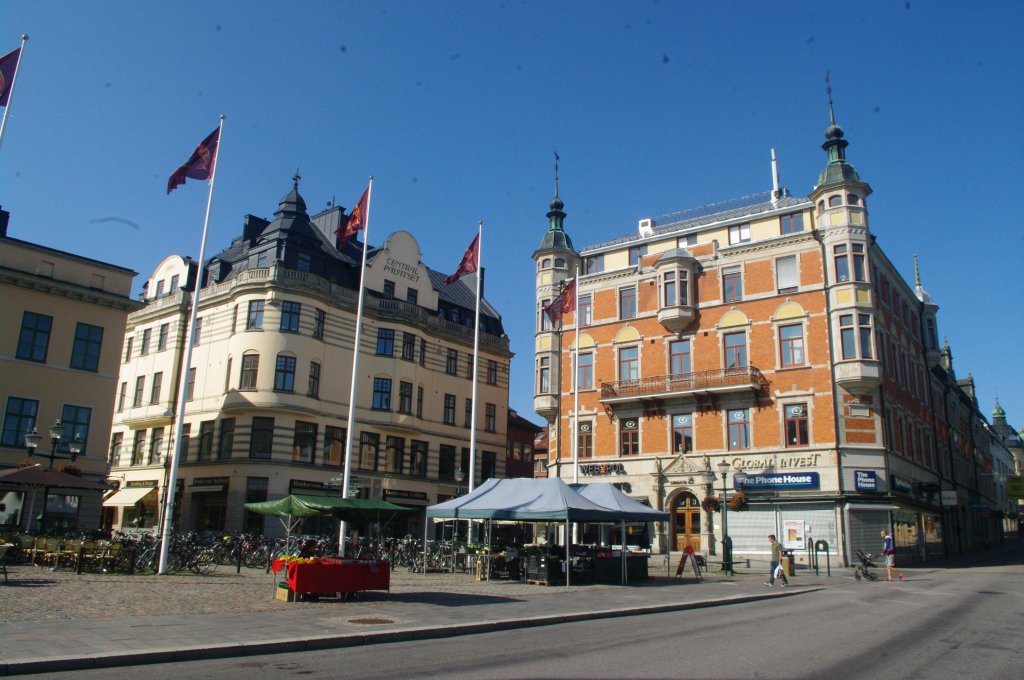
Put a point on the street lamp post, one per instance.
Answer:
(56, 431)
(740, 477)
(460, 476)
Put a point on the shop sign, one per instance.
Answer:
(299, 484)
(901, 485)
(865, 480)
(141, 484)
(1014, 486)
(405, 495)
(210, 481)
(780, 480)
(805, 460)
(401, 269)
(596, 469)
(949, 498)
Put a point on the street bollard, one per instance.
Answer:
(238, 562)
(81, 558)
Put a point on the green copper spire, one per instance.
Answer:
(556, 236)
(837, 170)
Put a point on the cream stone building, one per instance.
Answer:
(64, 324)
(268, 387)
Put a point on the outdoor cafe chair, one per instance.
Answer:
(51, 551)
(39, 550)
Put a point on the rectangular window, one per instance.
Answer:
(469, 413)
(75, 420)
(255, 492)
(842, 263)
(679, 357)
(739, 233)
(394, 452)
(206, 439)
(408, 346)
(545, 320)
(629, 437)
(669, 292)
(585, 371)
(140, 388)
(290, 314)
(160, 289)
(116, 441)
(138, 447)
(128, 349)
(154, 390)
(689, 240)
(302, 262)
(586, 311)
(385, 342)
(490, 418)
(446, 463)
(254, 319)
(635, 253)
(627, 303)
(682, 433)
(451, 365)
(382, 394)
(161, 342)
(864, 326)
(389, 289)
(314, 380)
(848, 336)
(796, 425)
(785, 274)
(319, 321)
(34, 340)
(369, 445)
(419, 401)
(121, 395)
(147, 333)
(405, 397)
(791, 343)
(417, 464)
(197, 332)
(858, 261)
(449, 409)
(423, 352)
(585, 440)
(629, 364)
(174, 285)
(226, 442)
(412, 296)
(594, 264)
(488, 465)
(732, 284)
(190, 384)
(791, 224)
(85, 354)
(544, 376)
(234, 319)
(735, 350)
(334, 445)
(492, 372)
(183, 445)
(470, 360)
(739, 429)
(284, 374)
(261, 443)
(250, 369)
(304, 442)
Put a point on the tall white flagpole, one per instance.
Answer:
(476, 370)
(576, 385)
(10, 93)
(355, 367)
(172, 481)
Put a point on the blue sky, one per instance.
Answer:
(456, 108)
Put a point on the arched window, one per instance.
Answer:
(853, 199)
(559, 261)
(546, 262)
(821, 206)
(835, 201)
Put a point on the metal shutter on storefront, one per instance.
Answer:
(820, 522)
(865, 531)
(749, 530)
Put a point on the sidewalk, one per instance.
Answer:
(54, 621)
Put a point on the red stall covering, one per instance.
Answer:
(336, 576)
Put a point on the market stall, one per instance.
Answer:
(327, 575)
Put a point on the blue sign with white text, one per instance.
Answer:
(780, 480)
(865, 480)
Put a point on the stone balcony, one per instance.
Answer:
(723, 380)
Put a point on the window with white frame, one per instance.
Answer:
(739, 233)
(786, 278)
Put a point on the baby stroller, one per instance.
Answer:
(863, 570)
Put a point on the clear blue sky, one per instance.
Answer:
(455, 108)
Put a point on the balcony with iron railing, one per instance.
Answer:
(720, 380)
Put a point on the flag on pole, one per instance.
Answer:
(565, 302)
(8, 66)
(470, 262)
(200, 163)
(356, 222)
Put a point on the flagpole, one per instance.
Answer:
(355, 367)
(576, 395)
(10, 93)
(172, 482)
(476, 367)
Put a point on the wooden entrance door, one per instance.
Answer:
(686, 522)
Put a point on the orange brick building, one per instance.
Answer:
(771, 333)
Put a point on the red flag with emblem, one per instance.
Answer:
(565, 302)
(200, 163)
(8, 67)
(356, 222)
(470, 262)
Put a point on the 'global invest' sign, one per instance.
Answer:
(781, 480)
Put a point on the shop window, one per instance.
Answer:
(369, 445)
(304, 442)
(334, 446)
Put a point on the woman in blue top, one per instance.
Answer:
(889, 550)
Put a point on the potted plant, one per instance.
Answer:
(711, 504)
(739, 503)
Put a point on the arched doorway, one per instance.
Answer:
(686, 522)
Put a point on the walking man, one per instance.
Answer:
(889, 550)
(776, 566)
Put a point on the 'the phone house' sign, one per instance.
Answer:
(780, 480)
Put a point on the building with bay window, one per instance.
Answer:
(267, 391)
(772, 333)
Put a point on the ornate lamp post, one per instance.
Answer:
(739, 476)
(460, 477)
(75, 445)
(709, 481)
